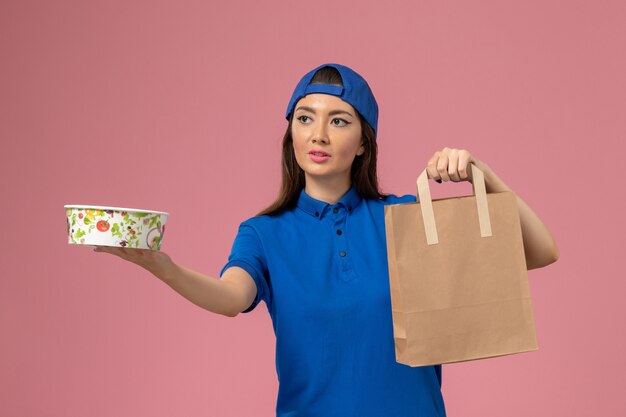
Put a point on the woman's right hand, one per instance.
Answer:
(156, 262)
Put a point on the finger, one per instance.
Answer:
(453, 165)
(121, 252)
(129, 254)
(464, 170)
(107, 249)
(431, 168)
(442, 167)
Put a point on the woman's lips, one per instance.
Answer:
(318, 158)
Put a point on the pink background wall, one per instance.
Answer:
(179, 106)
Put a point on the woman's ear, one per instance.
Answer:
(361, 150)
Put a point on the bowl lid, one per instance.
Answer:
(104, 208)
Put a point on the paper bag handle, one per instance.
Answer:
(426, 204)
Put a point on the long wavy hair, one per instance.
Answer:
(363, 170)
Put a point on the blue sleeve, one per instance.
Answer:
(247, 252)
(394, 199)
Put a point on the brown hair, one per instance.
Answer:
(362, 173)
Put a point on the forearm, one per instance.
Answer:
(539, 245)
(204, 291)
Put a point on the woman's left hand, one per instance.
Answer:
(450, 164)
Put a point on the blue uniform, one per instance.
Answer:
(321, 269)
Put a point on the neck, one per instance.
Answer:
(328, 190)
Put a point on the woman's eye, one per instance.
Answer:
(300, 118)
(341, 120)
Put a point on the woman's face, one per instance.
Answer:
(326, 123)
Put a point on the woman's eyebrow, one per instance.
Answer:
(333, 112)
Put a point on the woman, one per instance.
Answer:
(317, 258)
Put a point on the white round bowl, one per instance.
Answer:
(115, 226)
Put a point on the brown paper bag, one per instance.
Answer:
(458, 278)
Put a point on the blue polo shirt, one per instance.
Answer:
(321, 269)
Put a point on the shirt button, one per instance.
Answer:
(335, 210)
(342, 254)
(338, 231)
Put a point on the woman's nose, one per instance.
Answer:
(320, 134)
(320, 139)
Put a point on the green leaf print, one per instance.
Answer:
(115, 230)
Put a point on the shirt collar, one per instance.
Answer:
(318, 208)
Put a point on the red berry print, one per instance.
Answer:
(103, 225)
